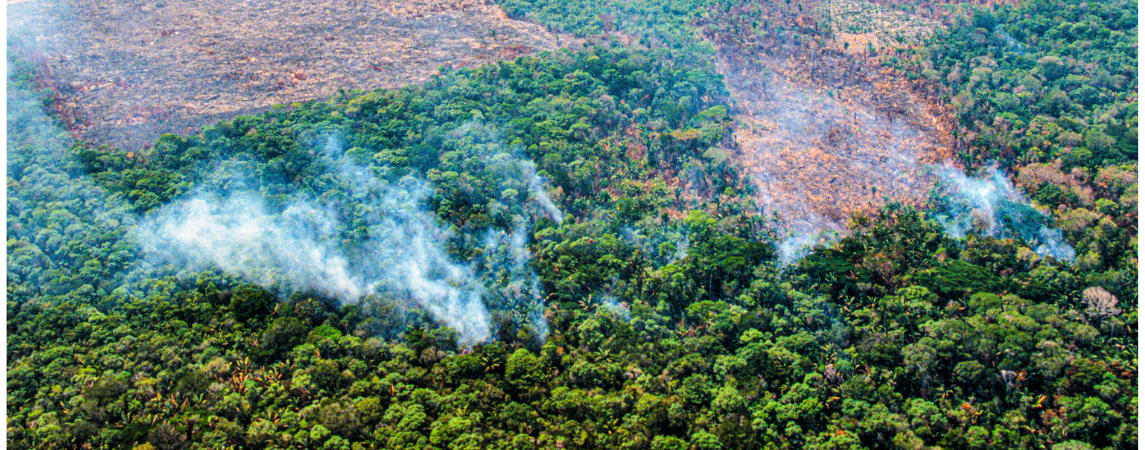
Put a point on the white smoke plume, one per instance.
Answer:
(300, 248)
(802, 239)
(536, 186)
(504, 267)
(516, 170)
(991, 206)
(1010, 41)
(616, 307)
(514, 284)
(1050, 243)
(661, 245)
(981, 195)
(238, 235)
(537, 317)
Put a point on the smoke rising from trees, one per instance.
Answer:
(238, 235)
(536, 187)
(990, 206)
(301, 244)
(299, 248)
(800, 243)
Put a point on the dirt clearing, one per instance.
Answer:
(128, 71)
(825, 130)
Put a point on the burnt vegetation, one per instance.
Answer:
(676, 149)
(128, 72)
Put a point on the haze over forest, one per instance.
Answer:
(653, 224)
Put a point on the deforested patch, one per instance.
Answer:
(126, 72)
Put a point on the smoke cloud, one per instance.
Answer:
(375, 237)
(56, 216)
(616, 307)
(238, 235)
(301, 246)
(798, 244)
(991, 206)
(536, 187)
(516, 172)
(661, 245)
(514, 284)
(818, 144)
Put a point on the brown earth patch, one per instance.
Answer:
(128, 71)
(825, 130)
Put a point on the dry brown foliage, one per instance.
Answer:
(1031, 177)
(1100, 302)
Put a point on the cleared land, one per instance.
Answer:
(127, 71)
(825, 130)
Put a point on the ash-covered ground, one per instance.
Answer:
(127, 71)
(825, 130)
(817, 154)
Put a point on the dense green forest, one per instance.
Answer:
(1048, 91)
(632, 297)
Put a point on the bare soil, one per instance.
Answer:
(128, 71)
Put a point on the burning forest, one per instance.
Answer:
(694, 224)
